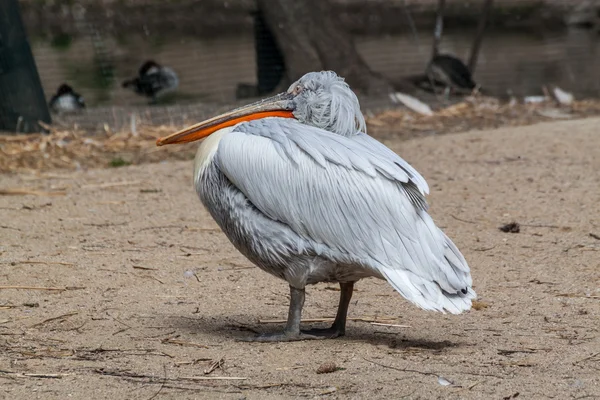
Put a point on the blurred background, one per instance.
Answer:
(210, 54)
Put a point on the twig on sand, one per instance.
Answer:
(597, 237)
(214, 365)
(31, 375)
(214, 378)
(111, 184)
(43, 262)
(158, 227)
(391, 325)
(587, 358)
(462, 220)
(577, 295)
(162, 385)
(183, 343)
(55, 318)
(484, 248)
(106, 224)
(25, 191)
(149, 277)
(427, 373)
(9, 227)
(152, 378)
(144, 268)
(57, 289)
(546, 226)
(473, 385)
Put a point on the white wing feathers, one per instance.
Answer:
(353, 196)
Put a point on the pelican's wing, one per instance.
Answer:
(353, 198)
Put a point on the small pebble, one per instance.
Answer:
(327, 368)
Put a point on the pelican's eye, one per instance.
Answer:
(297, 90)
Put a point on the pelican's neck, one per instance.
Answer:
(207, 150)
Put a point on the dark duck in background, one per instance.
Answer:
(448, 71)
(66, 100)
(451, 73)
(153, 81)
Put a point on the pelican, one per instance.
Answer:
(306, 195)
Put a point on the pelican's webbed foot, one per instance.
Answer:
(339, 325)
(292, 330)
(325, 333)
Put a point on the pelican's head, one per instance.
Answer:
(321, 99)
(324, 100)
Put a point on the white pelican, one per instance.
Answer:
(304, 193)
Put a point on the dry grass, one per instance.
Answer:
(74, 149)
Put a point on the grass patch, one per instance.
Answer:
(118, 162)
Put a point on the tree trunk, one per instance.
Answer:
(487, 8)
(439, 28)
(310, 40)
(270, 66)
(22, 101)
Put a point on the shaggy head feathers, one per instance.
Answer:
(324, 100)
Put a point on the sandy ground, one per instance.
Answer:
(151, 292)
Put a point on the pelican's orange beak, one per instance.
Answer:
(276, 106)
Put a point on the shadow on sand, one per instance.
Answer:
(242, 326)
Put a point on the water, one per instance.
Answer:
(209, 70)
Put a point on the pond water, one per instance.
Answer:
(209, 70)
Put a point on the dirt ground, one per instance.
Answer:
(124, 288)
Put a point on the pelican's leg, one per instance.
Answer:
(292, 327)
(339, 324)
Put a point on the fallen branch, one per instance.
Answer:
(214, 365)
(184, 343)
(106, 224)
(391, 325)
(42, 262)
(158, 227)
(213, 378)
(429, 373)
(162, 385)
(24, 192)
(586, 358)
(111, 184)
(577, 295)
(9, 227)
(57, 289)
(546, 226)
(31, 375)
(55, 318)
(151, 378)
(144, 268)
(462, 220)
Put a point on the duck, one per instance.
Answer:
(451, 73)
(66, 100)
(153, 81)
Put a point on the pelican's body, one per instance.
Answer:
(314, 199)
(271, 244)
